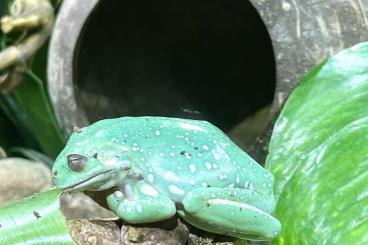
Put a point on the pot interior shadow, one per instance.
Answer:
(207, 59)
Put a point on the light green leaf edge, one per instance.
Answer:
(35, 220)
(319, 154)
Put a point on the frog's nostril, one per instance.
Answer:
(55, 173)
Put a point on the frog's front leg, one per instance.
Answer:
(241, 213)
(138, 202)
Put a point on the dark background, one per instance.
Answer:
(2, 7)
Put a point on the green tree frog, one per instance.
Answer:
(161, 166)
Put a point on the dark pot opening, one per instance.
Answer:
(208, 59)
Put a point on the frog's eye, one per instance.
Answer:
(77, 162)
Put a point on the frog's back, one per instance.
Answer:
(177, 155)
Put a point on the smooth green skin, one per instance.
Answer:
(319, 154)
(163, 165)
(34, 220)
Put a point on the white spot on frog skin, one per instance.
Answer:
(172, 154)
(173, 146)
(222, 176)
(128, 209)
(114, 140)
(162, 154)
(150, 178)
(192, 168)
(111, 162)
(204, 184)
(199, 154)
(214, 165)
(192, 182)
(208, 165)
(191, 127)
(125, 135)
(123, 164)
(119, 194)
(237, 178)
(142, 158)
(176, 190)
(139, 208)
(124, 149)
(171, 176)
(205, 147)
(149, 191)
(157, 132)
(264, 185)
(216, 155)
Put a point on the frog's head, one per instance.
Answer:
(90, 162)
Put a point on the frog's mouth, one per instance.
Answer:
(92, 183)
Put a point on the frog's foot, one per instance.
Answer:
(138, 202)
(241, 213)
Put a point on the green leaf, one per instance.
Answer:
(29, 110)
(319, 154)
(32, 103)
(35, 220)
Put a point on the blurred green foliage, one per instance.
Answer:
(35, 220)
(26, 117)
(319, 155)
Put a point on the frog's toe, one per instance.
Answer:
(115, 199)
